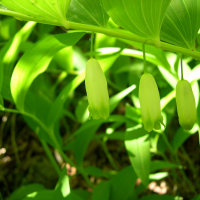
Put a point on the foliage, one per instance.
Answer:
(42, 73)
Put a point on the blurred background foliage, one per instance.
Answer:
(116, 154)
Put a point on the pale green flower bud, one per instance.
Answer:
(185, 104)
(150, 103)
(97, 91)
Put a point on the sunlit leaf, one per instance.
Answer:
(47, 12)
(114, 100)
(8, 28)
(158, 176)
(63, 187)
(138, 148)
(35, 61)
(141, 17)
(181, 23)
(87, 12)
(10, 51)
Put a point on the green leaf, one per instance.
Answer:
(8, 28)
(82, 110)
(102, 191)
(181, 23)
(10, 51)
(84, 136)
(133, 113)
(21, 192)
(143, 18)
(64, 58)
(94, 171)
(63, 187)
(122, 184)
(158, 176)
(84, 194)
(42, 195)
(182, 135)
(196, 198)
(158, 197)
(47, 12)
(87, 12)
(35, 61)
(114, 100)
(138, 147)
(57, 107)
(159, 164)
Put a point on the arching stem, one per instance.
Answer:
(92, 45)
(144, 57)
(181, 67)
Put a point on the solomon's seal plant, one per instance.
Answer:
(185, 101)
(150, 103)
(185, 104)
(149, 100)
(96, 88)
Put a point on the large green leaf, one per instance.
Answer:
(50, 12)
(138, 147)
(102, 191)
(87, 12)
(8, 57)
(122, 185)
(35, 61)
(24, 190)
(141, 17)
(181, 23)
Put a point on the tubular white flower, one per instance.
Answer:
(150, 103)
(185, 104)
(97, 91)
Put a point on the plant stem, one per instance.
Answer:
(128, 36)
(181, 68)
(92, 45)
(144, 57)
(191, 166)
(167, 143)
(51, 134)
(178, 161)
(81, 171)
(15, 149)
(108, 155)
(51, 158)
(185, 177)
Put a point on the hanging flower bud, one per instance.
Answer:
(150, 103)
(185, 104)
(96, 88)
